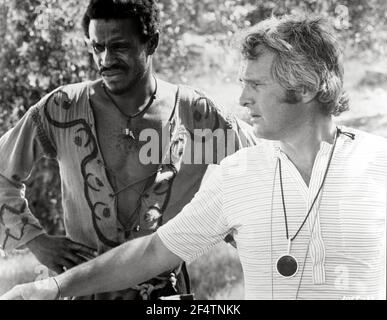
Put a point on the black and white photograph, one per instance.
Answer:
(213, 150)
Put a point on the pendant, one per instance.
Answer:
(287, 265)
(129, 133)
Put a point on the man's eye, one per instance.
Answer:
(98, 47)
(251, 84)
(256, 85)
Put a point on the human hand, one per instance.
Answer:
(46, 289)
(59, 253)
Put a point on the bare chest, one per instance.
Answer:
(126, 171)
(121, 153)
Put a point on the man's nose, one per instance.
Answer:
(107, 58)
(246, 99)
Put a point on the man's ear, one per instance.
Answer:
(307, 95)
(153, 43)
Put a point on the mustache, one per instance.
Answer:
(113, 68)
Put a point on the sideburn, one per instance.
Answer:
(292, 97)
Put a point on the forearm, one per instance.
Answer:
(20, 149)
(18, 226)
(127, 265)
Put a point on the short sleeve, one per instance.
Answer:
(201, 224)
(20, 148)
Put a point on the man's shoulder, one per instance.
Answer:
(65, 97)
(202, 101)
(366, 139)
(197, 100)
(199, 111)
(75, 91)
(367, 149)
(192, 93)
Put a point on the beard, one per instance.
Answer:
(131, 73)
(126, 82)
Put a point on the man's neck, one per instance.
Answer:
(303, 144)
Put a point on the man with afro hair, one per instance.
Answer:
(98, 131)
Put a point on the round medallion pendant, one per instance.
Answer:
(287, 266)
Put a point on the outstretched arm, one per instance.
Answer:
(196, 229)
(129, 264)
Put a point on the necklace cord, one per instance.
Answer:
(351, 136)
(318, 192)
(128, 121)
(141, 112)
(339, 131)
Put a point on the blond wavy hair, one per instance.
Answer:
(307, 56)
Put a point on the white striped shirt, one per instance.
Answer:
(346, 256)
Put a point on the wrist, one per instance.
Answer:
(46, 289)
(59, 291)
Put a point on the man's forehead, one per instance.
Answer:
(257, 69)
(117, 28)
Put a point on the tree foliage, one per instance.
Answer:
(42, 48)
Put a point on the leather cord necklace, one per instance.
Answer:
(287, 265)
(339, 132)
(128, 132)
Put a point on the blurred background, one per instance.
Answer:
(42, 47)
